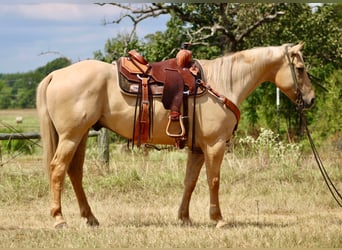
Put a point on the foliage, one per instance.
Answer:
(328, 116)
(117, 47)
(19, 90)
(164, 45)
(269, 149)
(16, 146)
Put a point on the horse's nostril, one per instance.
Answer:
(312, 101)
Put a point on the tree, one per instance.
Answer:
(19, 90)
(117, 47)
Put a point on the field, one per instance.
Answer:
(267, 200)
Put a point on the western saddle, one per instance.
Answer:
(173, 79)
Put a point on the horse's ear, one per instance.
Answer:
(296, 48)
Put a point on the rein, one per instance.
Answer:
(300, 107)
(332, 188)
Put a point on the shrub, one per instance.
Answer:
(269, 149)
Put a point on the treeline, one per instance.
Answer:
(19, 90)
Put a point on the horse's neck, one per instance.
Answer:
(239, 74)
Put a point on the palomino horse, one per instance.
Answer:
(71, 100)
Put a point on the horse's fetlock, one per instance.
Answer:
(215, 212)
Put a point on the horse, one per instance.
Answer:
(71, 100)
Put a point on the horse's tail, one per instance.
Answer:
(48, 132)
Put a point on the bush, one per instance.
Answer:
(19, 146)
(269, 149)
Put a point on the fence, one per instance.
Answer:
(102, 135)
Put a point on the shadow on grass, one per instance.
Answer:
(211, 224)
(257, 224)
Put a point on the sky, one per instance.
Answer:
(32, 33)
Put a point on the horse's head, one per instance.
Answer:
(292, 78)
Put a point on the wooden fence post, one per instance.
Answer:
(103, 147)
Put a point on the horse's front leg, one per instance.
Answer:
(213, 155)
(193, 167)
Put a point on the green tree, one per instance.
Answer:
(328, 116)
(19, 90)
(117, 47)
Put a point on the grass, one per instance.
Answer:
(266, 203)
(136, 201)
(29, 120)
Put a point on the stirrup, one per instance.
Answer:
(182, 133)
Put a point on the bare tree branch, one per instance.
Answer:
(259, 22)
(53, 52)
(200, 35)
(137, 13)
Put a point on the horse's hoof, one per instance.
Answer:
(92, 222)
(60, 225)
(186, 222)
(221, 223)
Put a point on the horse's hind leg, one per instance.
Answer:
(193, 168)
(58, 168)
(75, 173)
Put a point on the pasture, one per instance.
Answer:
(268, 199)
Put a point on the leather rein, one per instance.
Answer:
(300, 107)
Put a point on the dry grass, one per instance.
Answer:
(136, 202)
(266, 203)
(29, 120)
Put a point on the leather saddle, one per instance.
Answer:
(171, 80)
(135, 66)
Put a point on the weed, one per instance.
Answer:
(269, 149)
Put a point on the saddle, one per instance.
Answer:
(172, 80)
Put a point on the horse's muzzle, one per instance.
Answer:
(308, 105)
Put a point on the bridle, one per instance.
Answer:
(299, 97)
(300, 107)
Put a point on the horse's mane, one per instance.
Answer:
(219, 71)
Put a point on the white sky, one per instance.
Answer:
(72, 28)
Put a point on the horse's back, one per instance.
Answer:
(86, 68)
